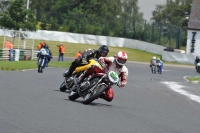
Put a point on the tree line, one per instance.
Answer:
(120, 18)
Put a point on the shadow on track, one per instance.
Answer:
(62, 91)
(91, 104)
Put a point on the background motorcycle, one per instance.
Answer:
(198, 67)
(91, 88)
(159, 67)
(42, 61)
(153, 67)
(69, 82)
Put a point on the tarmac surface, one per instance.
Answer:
(31, 102)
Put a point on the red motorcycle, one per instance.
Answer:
(94, 85)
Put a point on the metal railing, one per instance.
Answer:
(6, 55)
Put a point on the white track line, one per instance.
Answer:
(178, 88)
(185, 77)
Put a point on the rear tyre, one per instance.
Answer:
(73, 95)
(90, 97)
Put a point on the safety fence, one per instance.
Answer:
(124, 26)
(17, 54)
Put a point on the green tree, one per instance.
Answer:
(173, 12)
(18, 17)
(105, 17)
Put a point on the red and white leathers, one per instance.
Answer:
(121, 71)
(110, 64)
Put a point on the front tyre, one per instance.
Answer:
(90, 97)
(198, 69)
(40, 65)
(40, 69)
(73, 95)
(63, 87)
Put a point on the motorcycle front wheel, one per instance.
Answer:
(198, 69)
(63, 87)
(40, 66)
(90, 97)
(73, 95)
(40, 69)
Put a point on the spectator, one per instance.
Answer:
(11, 51)
(40, 45)
(61, 51)
(78, 55)
(7, 44)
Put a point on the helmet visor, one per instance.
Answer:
(104, 53)
(122, 61)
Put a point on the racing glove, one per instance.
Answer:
(122, 84)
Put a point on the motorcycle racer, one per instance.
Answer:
(117, 64)
(45, 52)
(153, 61)
(86, 56)
(197, 60)
(159, 65)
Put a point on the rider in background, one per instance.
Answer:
(46, 46)
(158, 61)
(197, 60)
(40, 45)
(117, 64)
(48, 53)
(85, 57)
(153, 61)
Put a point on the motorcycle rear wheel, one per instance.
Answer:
(90, 97)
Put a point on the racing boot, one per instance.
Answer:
(105, 97)
(69, 72)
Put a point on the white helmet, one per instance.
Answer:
(121, 58)
(154, 58)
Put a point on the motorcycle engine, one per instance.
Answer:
(84, 86)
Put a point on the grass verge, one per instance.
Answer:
(194, 79)
(21, 65)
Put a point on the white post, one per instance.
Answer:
(27, 7)
(24, 44)
(18, 40)
(27, 4)
(33, 48)
(4, 38)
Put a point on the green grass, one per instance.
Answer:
(195, 78)
(21, 65)
(72, 48)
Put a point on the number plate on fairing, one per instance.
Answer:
(113, 77)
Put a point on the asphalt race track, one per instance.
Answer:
(32, 103)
